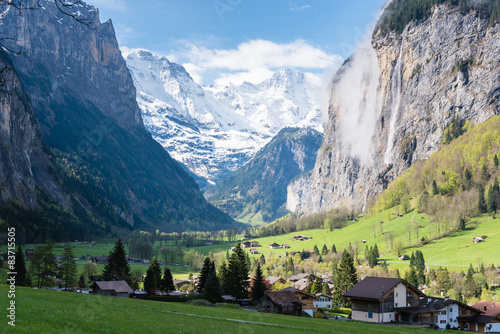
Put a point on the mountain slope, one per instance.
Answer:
(85, 100)
(409, 86)
(214, 130)
(258, 189)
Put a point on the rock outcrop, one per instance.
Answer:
(438, 68)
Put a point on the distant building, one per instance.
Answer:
(112, 288)
(489, 322)
(323, 301)
(246, 244)
(254, 244)
(281, 302)
(274, 245)
(306, 299)
(254, 251)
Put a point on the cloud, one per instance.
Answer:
(253, 60)
(125, 33)
(296, 8)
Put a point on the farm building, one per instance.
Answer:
(281, 302)
(112, 288)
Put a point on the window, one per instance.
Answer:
(442, 321)
(443, 312)
(396, 294)
(370, 315)
(396, 305)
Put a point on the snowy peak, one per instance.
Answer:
(214, 130)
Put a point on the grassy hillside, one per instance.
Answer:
(42, 311)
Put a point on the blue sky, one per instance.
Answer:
(234, 40)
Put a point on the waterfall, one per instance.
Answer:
(396, 84)
(356, 97)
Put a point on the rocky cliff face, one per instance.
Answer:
(256, 192)
(405, 90)
(24, 165)
(84, 98)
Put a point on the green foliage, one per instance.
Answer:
(117, 268)
(463, 65)
(212, 291)
(167, 282)
(317, 286)
(43, 264)
(346, 278)
(411, 277)
(22, 276)
(401, 12)
(68, 266)
(372, 255)
(456, 128)
(236, 280)
(258, 285)
(206, 270)
(150, 282)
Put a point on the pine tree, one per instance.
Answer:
(334, 249)
(81, 282)
(237, 274)
(326, 289)
(258, 285)
(150, 281)
(212, 291)
(222, 275)
(317, 286)
(495, 160)
(117, 268)
(167, 282)
(205, 272)
(435, 189)
(262, 260)
(22, 277)
(68, 266)
(324, 251)
(316, 250)
(411, 277)
(155, 267)
(346, 278)
(481, 203)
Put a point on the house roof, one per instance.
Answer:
(273, 279)
(374, 288)
(433, 304)
(480, 319)
(118, 286)
(489, 308)
(323, 295)
(290, 288)
(297, 277)
(283, 298)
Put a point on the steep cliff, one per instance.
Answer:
(403, 90)
(84, 98)
(256, 192)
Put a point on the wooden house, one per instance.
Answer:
(112, 288)
(375, 299)
(281, 302)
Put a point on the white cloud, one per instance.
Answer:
(253, 61)
(296, 8)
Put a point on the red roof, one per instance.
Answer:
(489, 308)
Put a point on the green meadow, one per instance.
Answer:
(46, 311)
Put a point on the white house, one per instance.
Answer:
(323, 301)
(375, 299)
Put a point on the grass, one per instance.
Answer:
(456, 249)
(44, 311)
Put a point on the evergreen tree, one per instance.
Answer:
(237, 274)
(150, 281)
(212, 291)
(155, 267)
(317, 286)
(81, 282)
(346, 278)
(435, 189)
(398, 275)
(68, 266)
(22, 277)
(309, 284)
(262, 260)
(222, 278)
(324, 251)
(43, 263)
(471, 288)
(326, 289)
(167, 282)
(205, 272)
(258, 285)
(411, 277)
(495, 160)
(481, 203)
(334, 249)
(316, 250)
(117, 268)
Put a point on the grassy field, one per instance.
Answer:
(45, 311)
(454, 250)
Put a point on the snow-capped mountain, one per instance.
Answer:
(214, 130)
